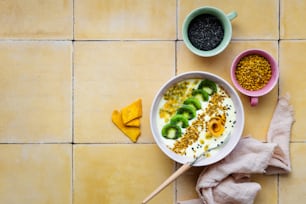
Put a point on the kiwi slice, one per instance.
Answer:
(171, 131)
(187, 111)
(200, 94)
(194, 102)
(209, 86)
(179, 120)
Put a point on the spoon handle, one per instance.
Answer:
(169, 180)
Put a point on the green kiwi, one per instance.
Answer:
(200, 94)
(194, 102)
(209, 86)
(179, 120)
(187, 111)
(171, 131)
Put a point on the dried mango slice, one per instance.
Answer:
(132, 111)
(133, 123)
(216, 126)
(131, 132)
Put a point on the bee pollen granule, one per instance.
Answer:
(253, 72)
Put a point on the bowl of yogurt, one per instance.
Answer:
(197, 113)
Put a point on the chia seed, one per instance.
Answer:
(205, 32)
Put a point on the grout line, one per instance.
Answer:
(279, 19)
(99, 143)
(175, 73)
(278, 55)
(278, 191)
(73, 19)
(278, 63)
(36, 40)
(72, 102)
(176, 19)
(72, 91)
(176, 40)
(78, 143)
(139, 40)
(35, 143)
(114, 143)
(84, 40)
(175, 57)
(72, 174)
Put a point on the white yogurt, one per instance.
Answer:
(204, 141)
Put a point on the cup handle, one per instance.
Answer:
(254, 101)
(232, 15)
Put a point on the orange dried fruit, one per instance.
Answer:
(132, 111)
(133, 123)
(131, 132)
(216, 126)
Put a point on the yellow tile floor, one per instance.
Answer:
(66, 64)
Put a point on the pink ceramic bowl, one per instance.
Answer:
(254, 95)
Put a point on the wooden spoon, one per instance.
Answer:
(179, 172)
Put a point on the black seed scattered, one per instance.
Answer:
(205, 32)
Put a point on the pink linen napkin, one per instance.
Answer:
(228, 181)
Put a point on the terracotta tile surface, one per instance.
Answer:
(125, 19)
(35, 91)
(291, 65)
(292, 186)
(66, 65)
(111, 75)
(31, 173)
(256, 118)
(269, 189)
(248, 25)
(186, 183)
(35, 19)
(120, 173)
(292, 25)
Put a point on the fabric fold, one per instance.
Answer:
(228, 181)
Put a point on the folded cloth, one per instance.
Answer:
(228, 181)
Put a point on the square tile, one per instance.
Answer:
(291, 74)
(292, 186)
(125, 19)
(257, 119)
(120, 173)
(36, 173)
(248, 24)
(292, 15)
(111, 75)
(269, 189)
(35, 91)
(35, 19)
(186, 184)
(66, 65)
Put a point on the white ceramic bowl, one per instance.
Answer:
(235, 133)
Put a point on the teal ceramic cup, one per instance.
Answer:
(223, 19)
